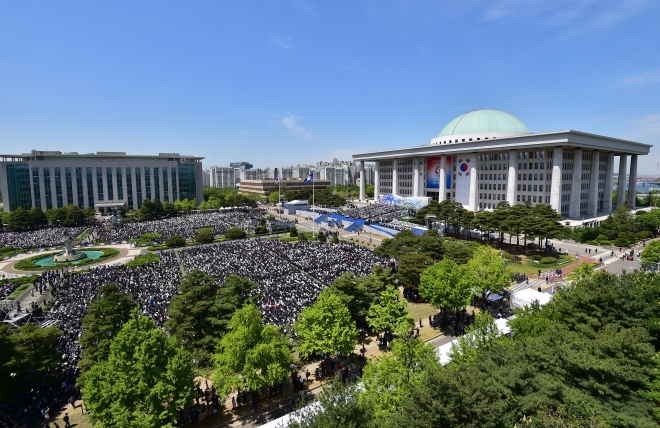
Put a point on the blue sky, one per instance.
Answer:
(295, 81)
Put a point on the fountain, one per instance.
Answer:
(69, 254)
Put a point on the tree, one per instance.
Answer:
(74, 215)
(338, 407)
(389, 313)
(359, 293)
(234, 294)
(321, 237)
(582, 272)
(446, 285)
(651, 254)
(26, 354)
(157, 207)
(479, 336)
(488, 272)
(145, 381)
(19, 219)
(105, 317)
(37, 217)
(235, 233)
(205, 236)
(198, 315)
(293, 232)
(410, 267)
(326, 327)
(457, 252)
(169, 209)
(389, 379)
(175, 241)
(250, 355)
(274, 197)
(369, 190)
(146, 211)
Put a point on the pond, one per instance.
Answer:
(48, 260)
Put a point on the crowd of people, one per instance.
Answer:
(185, 225)
(375, 213)
(398, 225)
(151, 286)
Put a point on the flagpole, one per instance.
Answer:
(313, 208)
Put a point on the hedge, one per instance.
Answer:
(28, 264)
(143, 259)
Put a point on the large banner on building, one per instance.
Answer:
(463, 181)
(433, 173)
(415, 203)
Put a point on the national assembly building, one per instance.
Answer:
(103, 181)
(483, 157)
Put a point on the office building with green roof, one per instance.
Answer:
(484, 157)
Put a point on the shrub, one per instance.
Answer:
(321, 237)
(260, 230)
(143, 259)
(205, 236)
(532, 245)
(235, 233)
(507, 256)
(549, 260)
(302, 237)
(335, 239)
(293, 232)
(175, 241)
(592, 242)
(601, 237)
(151, 236)
(620, 242)
(536, 257)
(605, 242)
(643, 234)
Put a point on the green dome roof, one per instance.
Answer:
(484, 120)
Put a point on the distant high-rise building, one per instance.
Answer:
(243, 165)
(222, 176)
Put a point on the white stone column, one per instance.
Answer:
(473, 204)
(161, 182)
(134, 186)
(442, 180)
(395, 165)
(153, 184)
(609, 184)
(104, 180)
(115, 187)
(32, 195)
(74, 186)
(144, 183)
(621, 185)
(170, 190)
(592, 206)
(95, 187)
(42, 190)
(416, 177)
(362, 184)
(65, 192)
(83, 171)
(124, 188)
(376, 180)
(576, 185)
(511, 178)
(555, 189)
(53, 188)
(632, 183)
(422, 177)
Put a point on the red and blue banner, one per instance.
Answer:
(433, 173)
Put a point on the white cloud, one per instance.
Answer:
(283, 42)
(291, 123)
(647, 78)
(354, 69)
(580, 15)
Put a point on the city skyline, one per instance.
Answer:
(304, 81)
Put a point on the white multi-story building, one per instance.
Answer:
(222, 176)
(102, 180)
(484, 157)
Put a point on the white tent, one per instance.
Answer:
(525, 298)
(444, 351)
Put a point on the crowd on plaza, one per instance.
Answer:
(39, 238)
(151, 286)
(398, 225)
(289, 277)
(184, 225)
(375, 213)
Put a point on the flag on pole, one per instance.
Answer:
(310, 178)
(277, 179)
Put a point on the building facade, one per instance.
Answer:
(104, 180)
(223, 176)
(484, 157)
(264, 187)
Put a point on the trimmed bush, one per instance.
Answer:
(605, 242)
(260, 230)
(507, 256)
(592, 242)
(175, 241)
(293, 232)
(151, 236)
(643, 234)
(548, 260)
(321, 237)
(143, 259)
(536, 257)
(601, 237)
(235, 233)
(205, 236)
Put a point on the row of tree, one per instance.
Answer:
(587, 359)
(215, 197)
(70, 215)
